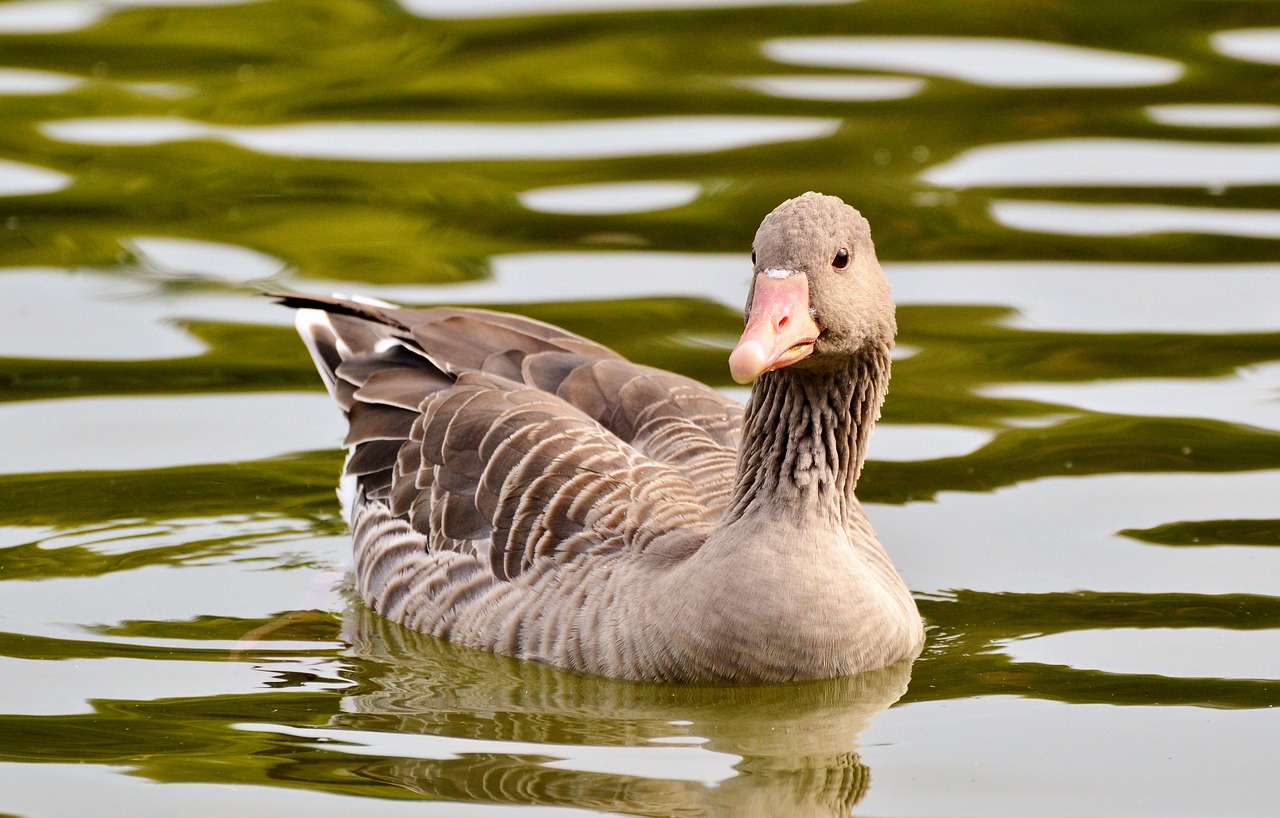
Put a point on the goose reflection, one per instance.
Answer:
(788, 750)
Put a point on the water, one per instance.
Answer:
(1078, 207)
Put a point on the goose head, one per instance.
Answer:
(818, 296)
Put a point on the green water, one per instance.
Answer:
(1078, 205)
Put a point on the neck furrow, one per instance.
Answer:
(804, 438)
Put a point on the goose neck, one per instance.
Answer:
(804, 437)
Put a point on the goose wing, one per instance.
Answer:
(516, 441)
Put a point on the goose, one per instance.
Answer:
(517, 488)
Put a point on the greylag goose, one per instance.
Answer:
(520, 489)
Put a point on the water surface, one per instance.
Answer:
(1078, 206)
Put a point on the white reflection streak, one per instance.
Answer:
(682, 763)
(1072, 219)
(1008, 756)
(50, 313)
(1216, 116)
(204, 259)
(610, 198)
(39, 687)
(57, 16)
(1251, 44)
(17, 179)
(829, 88)
(1247, 397)
(1179, 652)
(1109, 163)
(27, 82)
(457, 141)
(156, 432)
(470, 9)
(901, 442)
(1057, 534)
(991, 61)
(1092, 297)
(40, 17)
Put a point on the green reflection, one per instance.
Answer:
(300, 486)
(1093, 444)
(301, 626)
(240, 358)
(963, 657)
(400, 223)
(797, 743)
(1210, 532)
(296, 60)
(793, 749)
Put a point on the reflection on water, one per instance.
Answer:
(48, 16)
(1111, 298)
(1255, 44)
(1076, 471)
(998, 62)
(1046, 548)
(762, 751)
(1166, 747)
(504, 8)
(18, 81)
(203, 259)
(17, 179)
(611, 198)
(1181, 652)
(52, 16)
(1247, 396)
(836, 89)
(1074, 219)
(1110, 163)
(457, 141)
(1216, 116)
(111, 323)
(122, 433)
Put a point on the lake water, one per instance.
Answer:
(1078, 470)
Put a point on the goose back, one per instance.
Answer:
(488, 449)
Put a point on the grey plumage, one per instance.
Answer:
(524, 490)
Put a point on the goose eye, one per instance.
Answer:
(841, 260)
(753, 256)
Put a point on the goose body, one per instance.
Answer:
(523, 490)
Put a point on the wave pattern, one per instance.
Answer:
(1079, 209)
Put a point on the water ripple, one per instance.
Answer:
(152, 432)
(111, 322)
(1184, 652)
(825, 87)
(995, 62)
(1110, 163)
(1247, 396)
(27, 82)
(1251, 44)
(17, 179)
(1078, 219)
(203, 259)
(610, 197)
(49, 16)
(457, 141)
(462, 9)
(1216, 116)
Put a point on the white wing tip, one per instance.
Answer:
(311, 325)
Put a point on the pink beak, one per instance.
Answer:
(780, 330)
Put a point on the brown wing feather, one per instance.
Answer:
(550, 481)
(519, 442)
